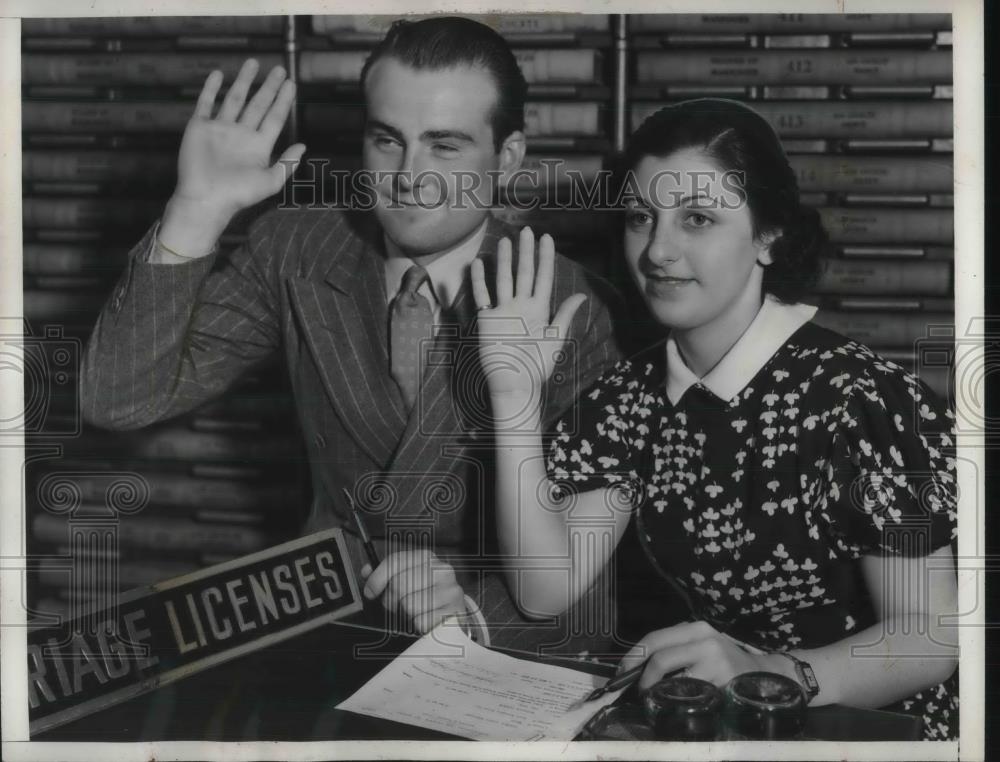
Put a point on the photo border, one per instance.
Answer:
(969, 72)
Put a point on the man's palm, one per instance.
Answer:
(225, 161)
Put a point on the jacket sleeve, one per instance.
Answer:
(171, 337)
(591, 348)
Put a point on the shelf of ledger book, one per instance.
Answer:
(105, 103)
(862, 104)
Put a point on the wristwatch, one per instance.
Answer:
(805, 674)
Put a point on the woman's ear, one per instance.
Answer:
(763, 246)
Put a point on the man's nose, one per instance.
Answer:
(425, 185)
(403, 176)
(404, 172)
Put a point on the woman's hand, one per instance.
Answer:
(518, 345)
(699, 649)
(419, 584)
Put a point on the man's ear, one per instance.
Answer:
(763, 246)
(512, 154)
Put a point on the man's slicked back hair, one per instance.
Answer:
(447, 41)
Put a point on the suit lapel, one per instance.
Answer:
(343, 315)
(464, 307)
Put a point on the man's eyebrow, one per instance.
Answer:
(448, 135)
(375, 124)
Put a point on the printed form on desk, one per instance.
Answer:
(448, 683)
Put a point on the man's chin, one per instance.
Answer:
(412, 233)
(419, 232)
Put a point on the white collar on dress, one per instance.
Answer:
(767, 333)
(447, 273)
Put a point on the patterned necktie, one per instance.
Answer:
(411, 326)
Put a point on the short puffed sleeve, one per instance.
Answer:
(892, 474)
(601, 441)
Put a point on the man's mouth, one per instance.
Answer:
(396, 202)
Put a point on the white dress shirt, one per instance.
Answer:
(447, 273)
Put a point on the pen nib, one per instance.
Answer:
(594, 694)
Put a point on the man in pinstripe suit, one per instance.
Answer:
(444, 98)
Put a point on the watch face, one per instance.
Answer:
(808, 678)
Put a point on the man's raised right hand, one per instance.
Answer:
(225, 162)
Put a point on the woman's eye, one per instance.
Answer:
(698, 220)
(637, 217)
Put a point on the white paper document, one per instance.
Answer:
(447, 682)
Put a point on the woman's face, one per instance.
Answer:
(689, 243)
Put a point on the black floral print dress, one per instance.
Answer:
(757, 504)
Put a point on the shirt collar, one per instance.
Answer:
(447, 273)
(767, 333)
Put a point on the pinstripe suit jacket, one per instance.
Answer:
(310, 284)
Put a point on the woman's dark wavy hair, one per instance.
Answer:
(740, 140)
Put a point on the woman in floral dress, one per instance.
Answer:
(797, 489)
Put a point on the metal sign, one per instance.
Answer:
(161, 633)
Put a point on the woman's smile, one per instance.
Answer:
(660, 285)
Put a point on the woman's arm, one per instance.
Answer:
(909, 649)
(905, 469)
(554, 549)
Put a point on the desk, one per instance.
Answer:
(288, 692)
